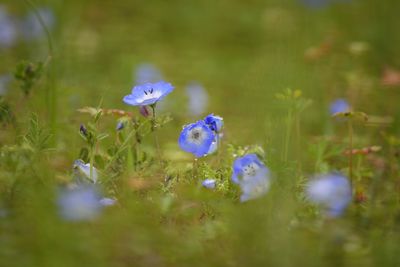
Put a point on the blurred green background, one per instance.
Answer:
(244, 53)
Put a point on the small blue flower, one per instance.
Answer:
(105, 202)
(8, 29)
(214, 122)
(31, 27)
(120, 126)
(82, 172)
(147, 73)
(209, 183)
(252, 176)
(196, 138)
(148, 93)
(198, 99)
(80, 204)
(339, 105)
(332, 192)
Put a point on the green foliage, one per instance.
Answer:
(28, 74)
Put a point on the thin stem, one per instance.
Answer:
(153, 129)
(194, 168)
(287, 136)
(51, 94)
(350, 123)
(91, 163)
(43, 25)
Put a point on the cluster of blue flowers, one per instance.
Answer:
(27, 28)
(332, 191)
(201, 138)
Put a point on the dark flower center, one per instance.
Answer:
(149, 91)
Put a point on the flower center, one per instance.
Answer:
(197, 135)
(250, 169)
(147, 92)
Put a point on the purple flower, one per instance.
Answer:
(148, 93)
(147, 73)
(82, 172)
(209, 183)
(31, 27)
(8, 29)
(198, 99)
(196, 138)
(332, 192)
(252, 176)
(339, 105)
(214, 122)
(80, 204)
(105, 202)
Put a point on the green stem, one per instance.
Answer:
(287, 136)
(51, 94)
(350, 124)
(154, 130)
(43, 25)
(91, 163)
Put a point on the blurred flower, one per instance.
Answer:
(4, 81)
(82, 172)
(390, 77)
(148, 93)
(79, 204)
(209, 183)
(120, 126)
(358, 48)
(214, 122)
(31, 26)
(316, 3)
(147, 73)
(339, 105)
(198, 99)
(332, 191)
(214, 145)
(83, 130)
(196, 138)
(105, 202)
(252, 176)
(8, 29)
(144, 110)
(322, 3)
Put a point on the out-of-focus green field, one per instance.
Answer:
(244, 53)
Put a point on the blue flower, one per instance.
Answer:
(105, 202)
(147, 73)
(332, 192)
(214, 122)
(339, 105)
(82, 172)
(196, 138)
(80, 204)
(120, 126)
(198, 99)
(148, 93)
(31, 27)
(209, 183)
(8, 29)
(252, 176)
